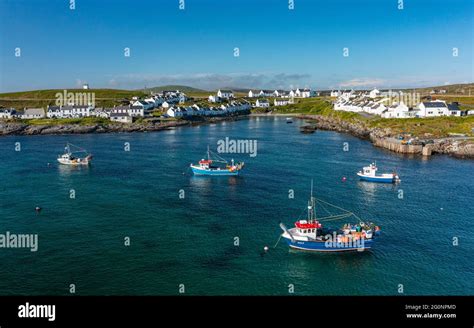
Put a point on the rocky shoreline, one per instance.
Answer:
(18, 128)
(385, 138)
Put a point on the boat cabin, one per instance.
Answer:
(205, 163)
(305, 227)
(370, 170)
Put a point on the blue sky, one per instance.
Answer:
(279, 48)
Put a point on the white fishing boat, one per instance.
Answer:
(73, 157)
(369, 173)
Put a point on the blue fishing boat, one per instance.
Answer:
(369, 173)
(310, 235)
(216, 165)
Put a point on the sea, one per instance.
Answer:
(137, 222)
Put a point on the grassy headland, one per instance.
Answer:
(43, 98)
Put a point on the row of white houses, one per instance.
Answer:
(348, 94)
(400, 109)
(297, 93)
(196, 110)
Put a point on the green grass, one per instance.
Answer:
(61, 121)
(312, 106)
(43, 98)
(435, 127)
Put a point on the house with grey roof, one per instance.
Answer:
(225, 94)
(31, 113)
(433, 108)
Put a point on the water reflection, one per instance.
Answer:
(66, 171)
(370, 188)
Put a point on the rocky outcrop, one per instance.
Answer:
(9, 128)
(147, 125)
(384, 138)
(355, 128)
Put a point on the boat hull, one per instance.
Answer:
(69, 162)
(214, 172)
(321, 246)
(376, 179)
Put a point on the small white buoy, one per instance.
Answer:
(441, 208)
(37, 209)
(265, 248)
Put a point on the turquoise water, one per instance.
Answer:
(190, 241)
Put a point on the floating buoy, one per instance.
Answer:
(38, 209)
(49, 164)
(344, 179)
(265, 248)
(441, 208)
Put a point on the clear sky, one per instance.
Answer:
(278, 47)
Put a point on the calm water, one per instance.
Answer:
(190, 241)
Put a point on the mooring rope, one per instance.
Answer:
(277, 241)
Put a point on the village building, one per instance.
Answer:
(262, 103)
(433, 108)
(7, 113)
(31, 113)
(121, 117)
(225, 94)
(335, 93)
(374, 93)
(253, 93)
(399, 110)
(280, 102)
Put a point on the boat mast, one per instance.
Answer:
(208, 153)
(68, 149)
(311, 205)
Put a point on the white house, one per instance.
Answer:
(101, 112)
(213, 99)
(347, 94)
(85, 86)
(121, 117)
(145, 105)
(399, 110)
(454, 110)
(132, 111)
(70, 111)
(7, 113)
(174, 112)
(335, 93)
(30, 113)
(54, 112)
(136, 111)
(303, 93)
(262, 103)
(253, 93)
(374, 93)
(433, 108)
(280, 102)
(165, 104)
(225, 94)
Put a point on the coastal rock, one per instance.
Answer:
(14, 128)
(384, 138)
